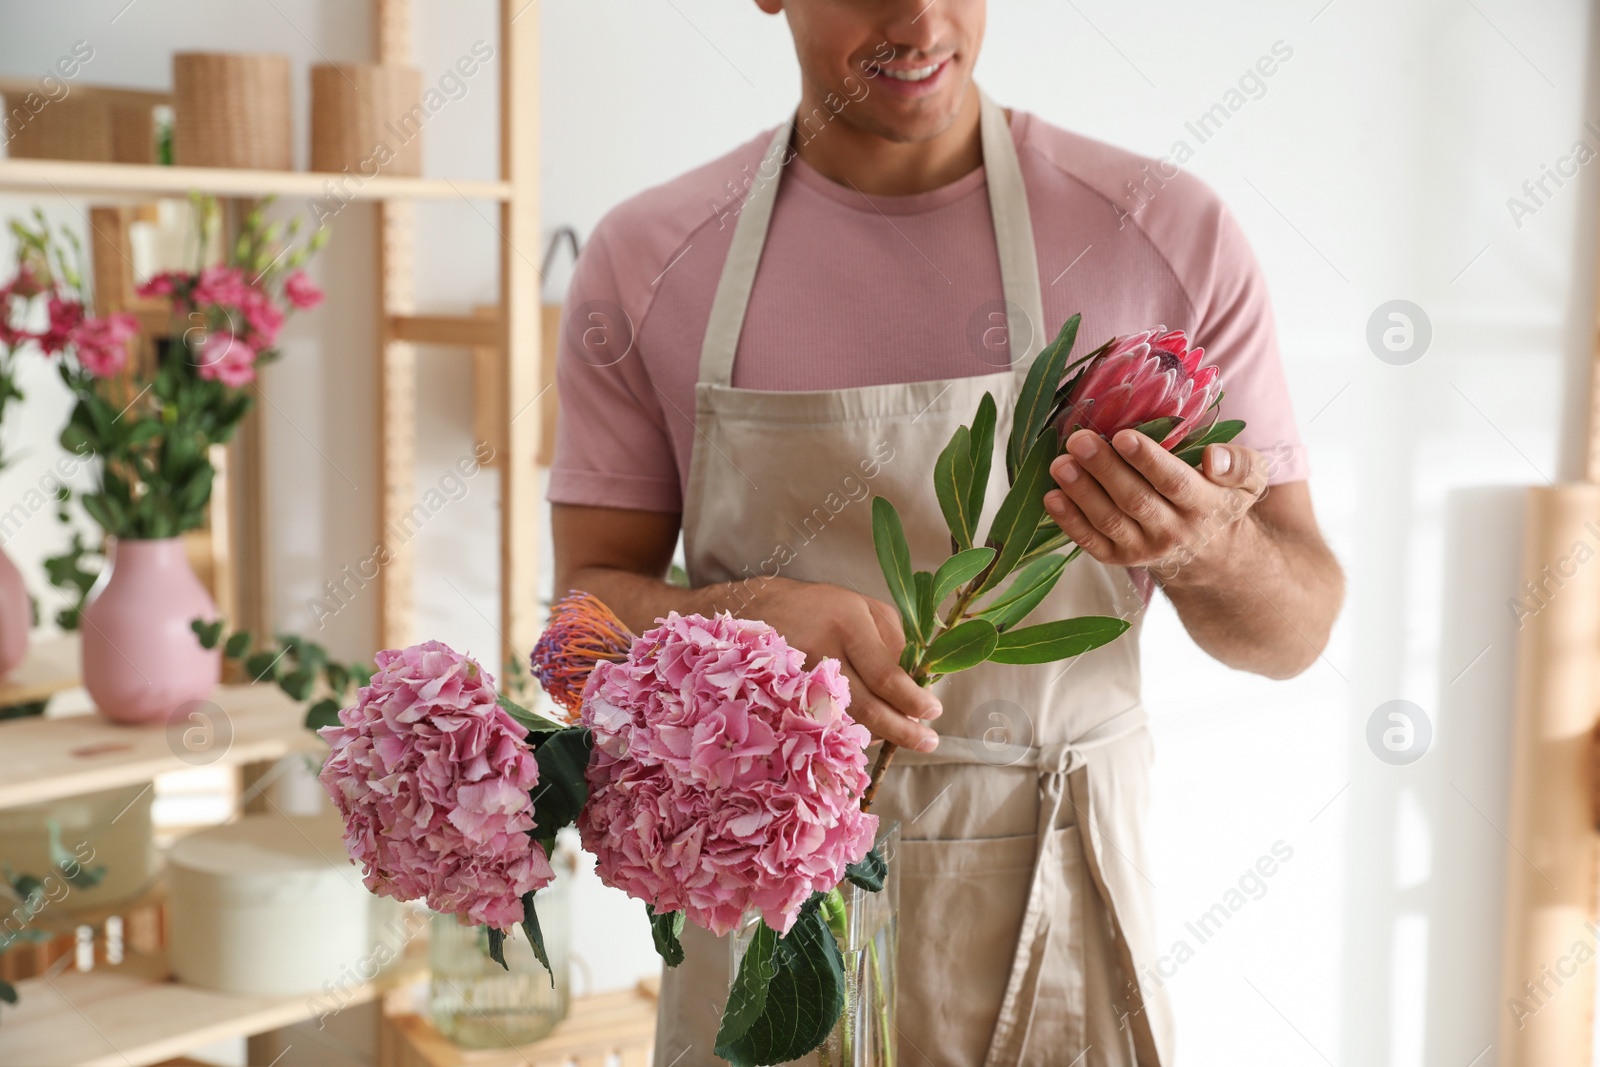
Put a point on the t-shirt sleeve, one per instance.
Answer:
(613, 449)
(1236, 328)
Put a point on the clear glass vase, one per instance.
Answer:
(477, 1003)
(867, 929)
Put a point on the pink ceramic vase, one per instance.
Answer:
(141, 661)
(16, 615)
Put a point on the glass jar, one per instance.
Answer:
(867, 929)
(477, 1003)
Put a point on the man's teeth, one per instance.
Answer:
(919, 74)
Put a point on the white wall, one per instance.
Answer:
(1376, 166)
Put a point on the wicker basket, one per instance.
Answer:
(231, 111)
(84, 126)
(367, 118)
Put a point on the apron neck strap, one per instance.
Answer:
(1013, 231)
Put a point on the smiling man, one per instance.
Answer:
(756, 346)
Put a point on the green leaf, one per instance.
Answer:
(208, 632)
(958, 570)
(1038, 395)
(297, 683)
(1158, 429)
(894, 556)
(338, 676)
(562, 790)
(1032, 584)
(666, 928)
(497, 946)
(533, 722)
(8, 992)
(952, 484)
(982, 438)
(324, 712)
(868, 872)
(237, 644)
(923, 580)
(747, 997)
(800, 1000)
(1193, 447)
(261, 666)
(1058, 640)
(1014, 524)
(530, 927)
(962, 647)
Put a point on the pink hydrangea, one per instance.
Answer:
(432, 777)
(725, 777)
(224, 357)
(301, 291)
(102, 344)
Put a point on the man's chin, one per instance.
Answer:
(924, 125)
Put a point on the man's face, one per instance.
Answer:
(904, 66)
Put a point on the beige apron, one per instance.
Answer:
(1024, 916)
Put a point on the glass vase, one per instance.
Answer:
(477, 1003)
(867, 929)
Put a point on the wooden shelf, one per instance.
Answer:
(133, 1014)
(604, 1028)
(114, 179)
(51, 666)
(47, 758)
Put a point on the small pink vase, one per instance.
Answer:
(16, 615)
(141, 661)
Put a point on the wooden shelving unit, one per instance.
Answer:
(601, 1029)
(49, 758)
(51, 666)
(132, 1014)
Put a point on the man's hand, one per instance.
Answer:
(622, 556)
(1134, 504)
(865, 636)
(1249, 573)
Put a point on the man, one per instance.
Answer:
(756, 347)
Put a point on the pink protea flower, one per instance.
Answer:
(224, 357)
(1138, 379)
(301, 291)
(432, 778)
(724, 775)
(102, 344)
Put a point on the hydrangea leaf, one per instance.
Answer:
(868, 872)
(530, 927)
(562, 790)
(666, 928)
(800, 1000)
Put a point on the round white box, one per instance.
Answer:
(268, 904)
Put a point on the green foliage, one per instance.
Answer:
(530, 927)
(296, 664)
(868, 872)
(665, 929)
(562, 790)
(1022, 545)
(788, 994)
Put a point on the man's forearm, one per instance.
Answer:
(640, 599)
(1265, 602)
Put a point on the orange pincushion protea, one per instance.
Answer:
(582, 632)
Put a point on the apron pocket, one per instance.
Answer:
(962, 904)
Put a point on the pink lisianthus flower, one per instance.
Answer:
(102, 344)
(224, 357)
(301, 291)
(223, 286)
(263, 316)
(1138, 379)
(163, 284)
(432, 778)
(724, 777)
(66, 316)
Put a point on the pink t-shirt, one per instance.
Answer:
(858, 290)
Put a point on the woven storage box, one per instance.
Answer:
(84, 126)
(367, 118)
(231, 111)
